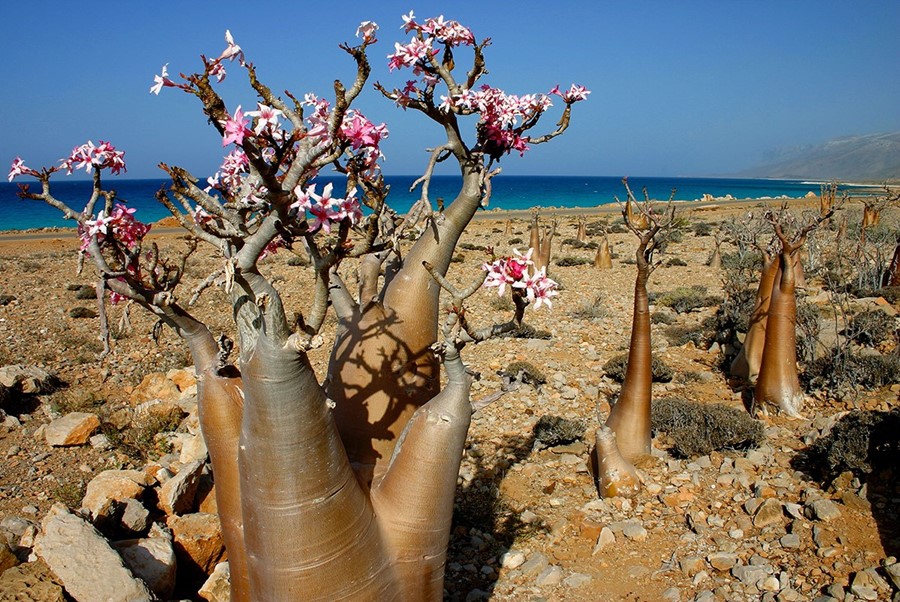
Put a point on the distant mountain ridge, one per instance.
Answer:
(871, 158)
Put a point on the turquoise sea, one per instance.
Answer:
(510, 192)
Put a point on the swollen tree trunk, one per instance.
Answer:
(309, 529)
(603, 259)
(616, 476)
(778, 381)
(382, 368)
(630, 417)
(745, 365)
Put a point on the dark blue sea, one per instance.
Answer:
(510, 192)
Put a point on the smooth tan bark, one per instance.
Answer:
(603, 259)
(778, 381)
(309, 529)
(630, 417)
(382, 368)
(616, 476)
(745, 365)
(415, 514)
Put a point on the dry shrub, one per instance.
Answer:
(686, 298)
(615, 369)
(550, 431)
(861, 442)
(872, 327)
(697, 429)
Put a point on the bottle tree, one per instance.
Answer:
(317, 498)
(629, 418)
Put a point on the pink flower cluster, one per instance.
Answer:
(574, 94)
(230, 172)
(19, 168)
(120, 225)
(88, 156)
(513, 271)
(325, 209)
(446, 32)
(421, 47)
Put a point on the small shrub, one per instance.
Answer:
(872, 327)
(564, 262)
(458, 258)
(70, 493)
(514, 241)
(470, 247)
(684, 299)
(861, 441)
(698, 429)
(661, 317)
(682, 335)
(526, 331)
(86, 292)
(590, 309)
(675, 261)
(297, 261)
(615, 369)
(550, 431)
(6, 299)
(842, 372)
(702, 228)
(82, 312)
(525, 372)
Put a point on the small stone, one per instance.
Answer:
(823, 510)
(534, 565)
(673, 594)
(176, 496)
(512, 559)
(552, 575)
(866, 593)
(768, 513)
(72, 429)
(691, 565)
(198, 541)
(770, 584)
(749, 574)
(606, 538)
(84, 562)
(218, 587)
(722, 561)
(576, 580)
(893, 572)
(152, 560)
(635, 532)
(790, 541)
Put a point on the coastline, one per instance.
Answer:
(729, 205)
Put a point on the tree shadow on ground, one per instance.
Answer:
(863, 445)
(484, 527)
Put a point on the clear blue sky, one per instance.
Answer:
(679, 88)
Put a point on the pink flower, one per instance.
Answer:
(18, 168)
(304, 197)
(232, 51)
(367, 30)
(88, 156)
(162, 80)
(266, 118)
(360, 132)
(574, 94)
(409, 22)
(235, 128)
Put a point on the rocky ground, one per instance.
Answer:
(728, 525)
